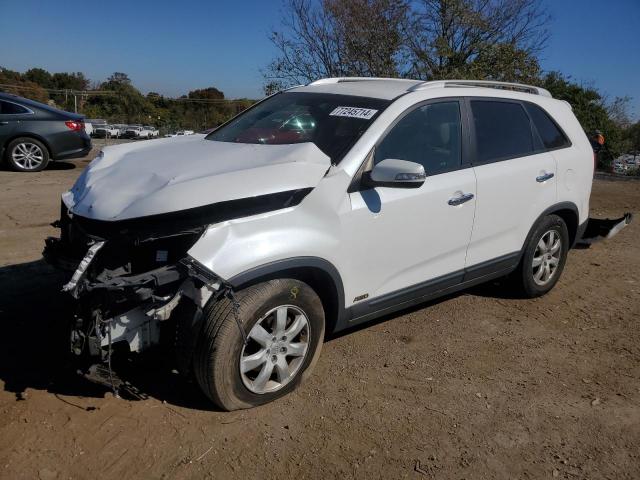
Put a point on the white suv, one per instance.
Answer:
(317, 209)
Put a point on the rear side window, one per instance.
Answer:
(551, 135)
(9, 108)
(503, 130)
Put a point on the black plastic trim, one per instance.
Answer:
(383, 303)
(367, 182)
(191, 218)
(549, 211)
(436, 288)
(580, 233)
(433, 288)
(267, 270)
(504, 262)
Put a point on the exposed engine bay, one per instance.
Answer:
(129, 276)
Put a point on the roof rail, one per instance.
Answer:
(517, 87)
(325, 81)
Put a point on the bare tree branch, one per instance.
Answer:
(421, 38)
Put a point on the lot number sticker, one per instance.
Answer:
(353, 112)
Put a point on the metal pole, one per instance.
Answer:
(75, 103)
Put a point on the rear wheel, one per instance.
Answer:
(544, 257)
(284, 324)
(27, 155)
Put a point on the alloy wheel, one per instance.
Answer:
(547, 257)
(276, 348)
(27, 156)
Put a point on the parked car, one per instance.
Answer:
(180, 133)
(90, 125)
(32, 134)
(107, 131)
(317, 209)
(134, 131)
(152, 132)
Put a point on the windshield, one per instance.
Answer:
(332, 122)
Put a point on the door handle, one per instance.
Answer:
(544, 177)
(4, 122)
(465, 197)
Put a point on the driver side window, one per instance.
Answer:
(429, 135)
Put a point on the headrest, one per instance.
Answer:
(445, 133)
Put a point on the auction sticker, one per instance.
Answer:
(353, 112)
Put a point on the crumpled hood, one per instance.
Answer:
(160, 176)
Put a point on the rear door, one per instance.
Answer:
(516, 181)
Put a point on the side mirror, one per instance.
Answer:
(396, 173)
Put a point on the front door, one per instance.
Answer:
(401, 239)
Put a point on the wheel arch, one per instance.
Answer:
(568, 211)
(318, 273)
(35, 136)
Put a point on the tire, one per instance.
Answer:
(217, 357)
(26, 154)
(532, 279)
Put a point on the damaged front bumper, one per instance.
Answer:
(126, 284)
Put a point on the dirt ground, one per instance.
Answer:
(477, 385)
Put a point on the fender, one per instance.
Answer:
(269, 270)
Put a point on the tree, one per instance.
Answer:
(426, 39)
(39, 76)
(502, 62)
(124, 104)
(119, 77)
(369, 35)
(210, 93)
(118, 101)
(633, 137)
(336, 38)
(476, 38)
(15, 83)
(69, 81)
(618, 111)
(586, 102)
(593, 112)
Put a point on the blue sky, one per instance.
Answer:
(172, 47)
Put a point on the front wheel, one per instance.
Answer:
(544, 257)
(284, 324)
